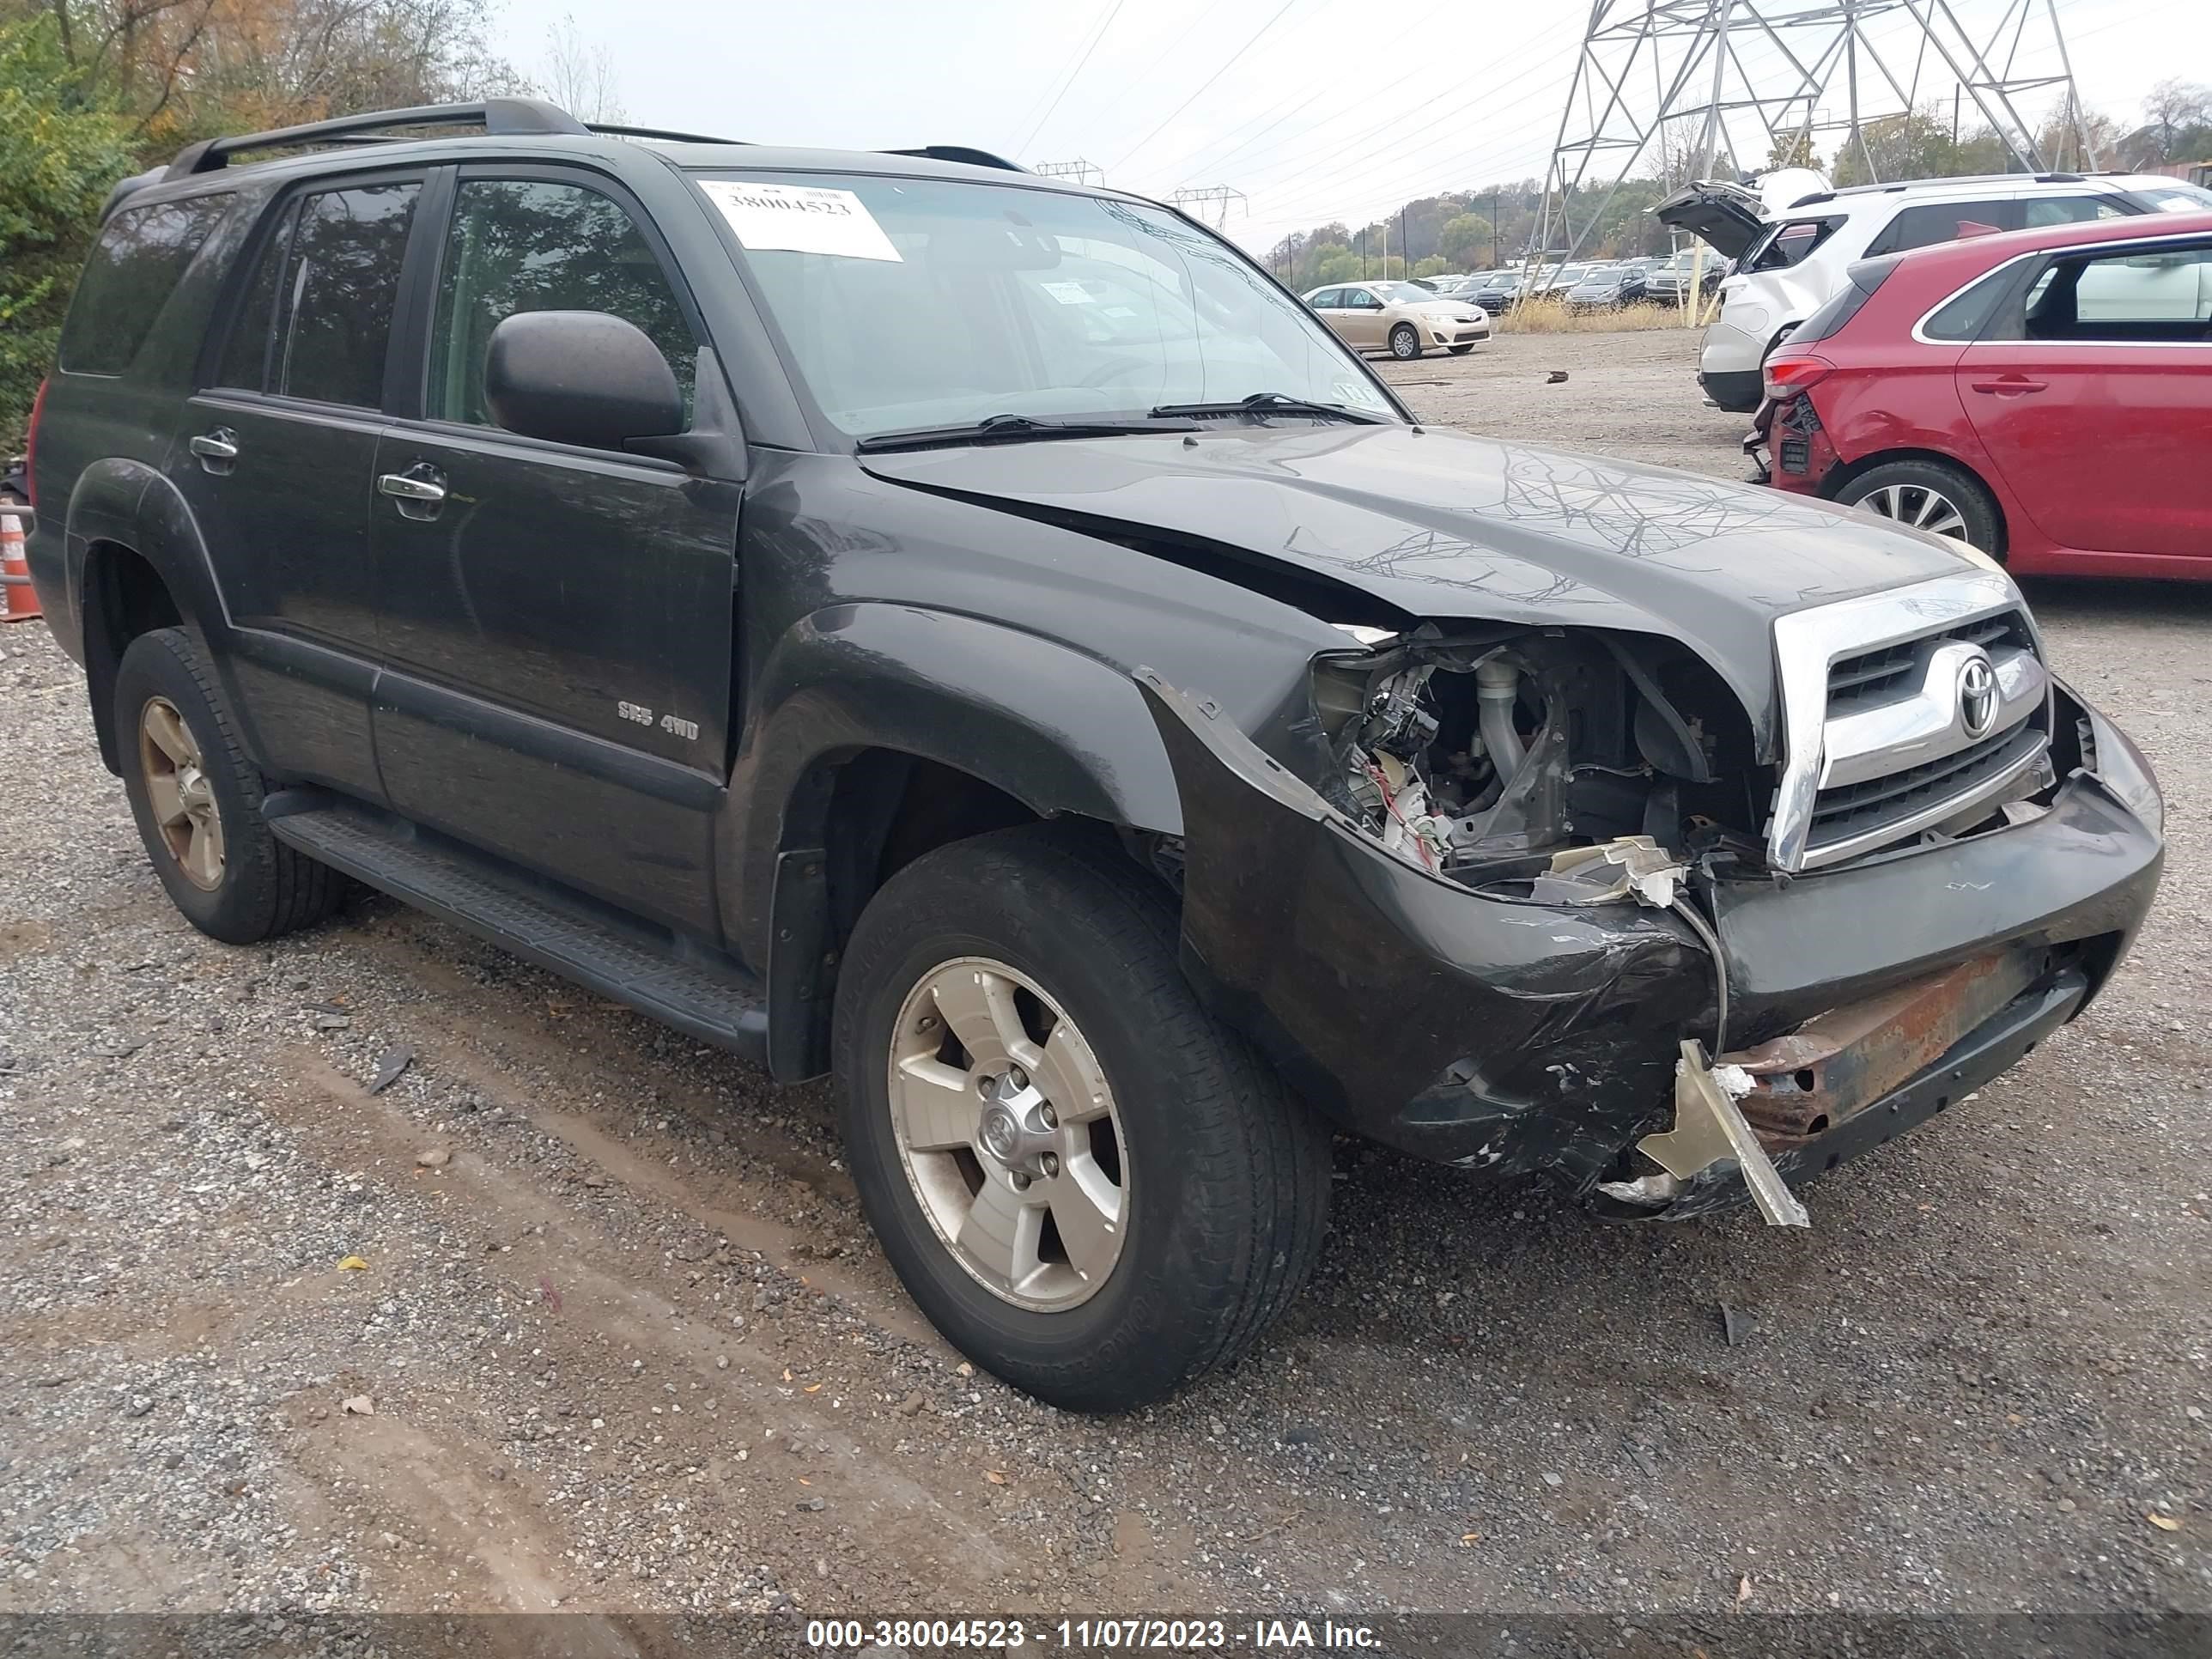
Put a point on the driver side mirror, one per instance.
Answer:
(580, 377)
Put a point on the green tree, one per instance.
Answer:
(58, 157)
(1465, 240)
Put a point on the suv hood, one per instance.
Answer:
(1731, 217)
(1439, 525)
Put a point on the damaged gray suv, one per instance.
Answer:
(896, 616)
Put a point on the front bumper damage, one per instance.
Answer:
(1510, 1037)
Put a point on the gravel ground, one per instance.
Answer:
(576, 1314)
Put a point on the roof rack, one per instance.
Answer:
(974, 158)
(499, 117)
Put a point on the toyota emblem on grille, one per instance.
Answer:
(1978, 696)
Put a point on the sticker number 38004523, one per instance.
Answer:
(638, 715)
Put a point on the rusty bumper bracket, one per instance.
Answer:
(1708, 1127)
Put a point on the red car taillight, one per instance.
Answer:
(31, 446)
(1788, 376)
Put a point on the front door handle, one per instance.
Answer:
(419, 484)
(2010, 385)
(217, 450)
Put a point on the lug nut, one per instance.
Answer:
(1021, 1182)
(1050, 1164)
(1050, 1117)
(1017, 1078)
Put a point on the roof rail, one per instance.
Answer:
(974, 158)
(498, 117)
(614, 131)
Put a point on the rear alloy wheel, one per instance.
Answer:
(196, 797)
(1405, 342)
(1943, 500)
(1089, 1185)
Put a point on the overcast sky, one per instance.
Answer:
(1315, 109)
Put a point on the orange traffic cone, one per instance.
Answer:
(21, 598)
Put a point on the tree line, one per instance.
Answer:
(1496, 224)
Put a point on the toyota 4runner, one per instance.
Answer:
(896, 616)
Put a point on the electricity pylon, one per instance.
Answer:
(1211, 202)
(1651, 72)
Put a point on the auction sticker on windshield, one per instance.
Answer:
(800, 219)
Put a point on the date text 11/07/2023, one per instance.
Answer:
(1090, 1635)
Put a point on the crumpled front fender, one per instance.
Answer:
(1503, 1035)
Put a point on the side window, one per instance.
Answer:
(1790, 242)
(2041, 210)
(245, 354)
(128, 278)
(2141, 296)
(1330, 299)
(346, 254)
(1933, 223)
(1359, 299)
(316, 316)
(528, 244)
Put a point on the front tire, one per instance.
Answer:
(1093, 1188)
(1404, 342)
(1930, 496)
(197, 798)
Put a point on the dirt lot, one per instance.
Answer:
(628, 1346)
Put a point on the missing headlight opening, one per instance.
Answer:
(1480, 760)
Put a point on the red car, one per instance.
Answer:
(2046, 395)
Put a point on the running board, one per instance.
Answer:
(713, 1000)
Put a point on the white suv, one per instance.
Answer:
(1791, 257)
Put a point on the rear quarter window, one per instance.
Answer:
(133, 269)
(1931, 222)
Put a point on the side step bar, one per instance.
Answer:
(713, 1000)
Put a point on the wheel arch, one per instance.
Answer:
(136, 562)
(1842, 475)
(881, 731)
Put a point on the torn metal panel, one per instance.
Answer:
(1710, 1129)
(1840, 1062)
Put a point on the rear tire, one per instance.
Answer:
(1217, 1178)
(1931, 495)
(1404, 342)
(197, 798)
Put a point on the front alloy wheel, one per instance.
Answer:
(1404, 344)
(1008, 1134)
(1091, 1187)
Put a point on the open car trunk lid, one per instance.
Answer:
(1731, 217)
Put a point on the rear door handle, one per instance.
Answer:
(2011, 385)
(216, 449)
(423, 486)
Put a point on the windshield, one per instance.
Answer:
(909, 303)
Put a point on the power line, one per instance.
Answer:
(1299, 153)
(1233, 59)
(1097, 35)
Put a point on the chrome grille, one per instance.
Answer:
(1905, 712)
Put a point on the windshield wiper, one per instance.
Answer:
(1000, 429)
(1274, 403)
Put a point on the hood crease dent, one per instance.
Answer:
(1445, 526)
